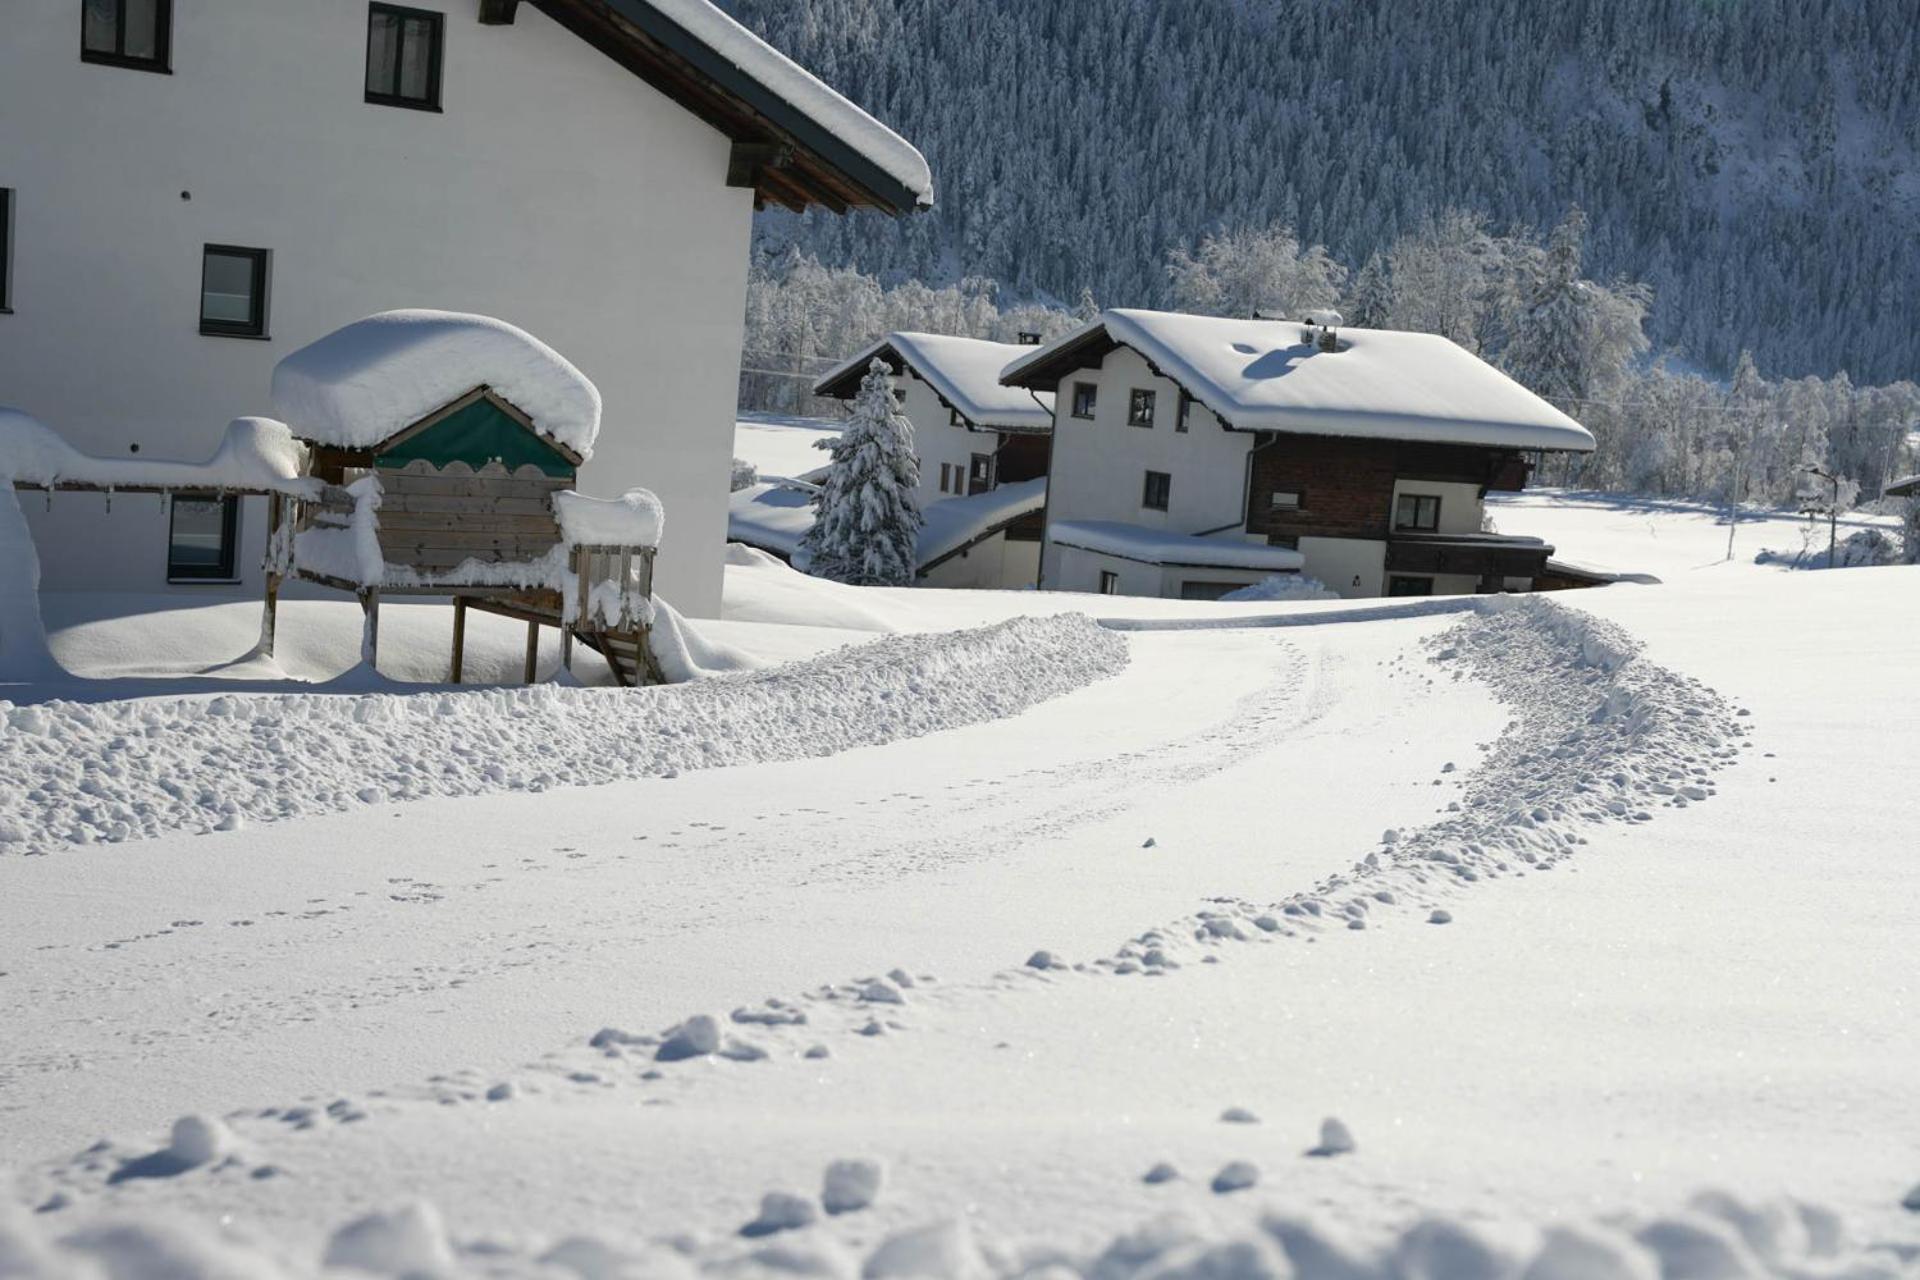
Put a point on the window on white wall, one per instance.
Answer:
(1139, 408)
(127, 33)
(1417, 512)
(201, 538)
(1085, 394)
(1109, 583)
(403, 57)
(1181, 415)
(233, 292)
(1157, 491)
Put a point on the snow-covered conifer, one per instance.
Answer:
(866, 520)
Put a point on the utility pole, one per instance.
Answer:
(1833, 511)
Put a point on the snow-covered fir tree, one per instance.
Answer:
(866, 521)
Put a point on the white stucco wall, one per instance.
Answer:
(1353, 567)
(995, 565)
(556, 190)
(936, 440)
(1099, 467)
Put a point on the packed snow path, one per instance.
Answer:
(1519, 1043)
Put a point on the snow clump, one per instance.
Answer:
(697, 1037)
(851, 1185)
(408, 1241)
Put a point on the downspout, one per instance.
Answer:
(1046, 499)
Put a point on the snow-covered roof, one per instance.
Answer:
(965, 372)
(362, 384)
(1904, 486)
(634, 519)
(774, 517)
(1263, 375)
(256, 455)
(837, 120)
(952, 525)
(1161, 546)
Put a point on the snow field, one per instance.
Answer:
(78, 773)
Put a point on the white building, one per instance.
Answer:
(1193, 455)
(189, 191)
(973, 437)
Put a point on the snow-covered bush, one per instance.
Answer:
(745, 475)
(866, 519)
(1284, 586)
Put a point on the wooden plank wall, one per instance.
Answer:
(435, 520)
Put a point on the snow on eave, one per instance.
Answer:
(963, 372)
(1170, 550)
(256, 455)
(838, 119)
(1905, 486)
(1494, 411)
(366, 382)
(956, 524)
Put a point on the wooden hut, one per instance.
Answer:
(449, 447)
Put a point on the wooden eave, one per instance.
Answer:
(786, 157)
(1083, 352)
(847, 384)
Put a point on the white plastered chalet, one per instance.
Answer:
(186, 202)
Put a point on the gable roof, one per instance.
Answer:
(796, 141)
(963, 372)
(1263, 375)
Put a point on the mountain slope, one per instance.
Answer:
(1754, 162)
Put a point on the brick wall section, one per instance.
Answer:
(1348, 484)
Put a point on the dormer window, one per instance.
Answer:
(127, 33)
(403, 57)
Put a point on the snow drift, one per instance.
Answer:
(77, 773)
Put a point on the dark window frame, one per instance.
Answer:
(225, 570)
(945, 469)
(1299, 502)
(1148, 489)
(162, 60)
(1419, 501)
(1091, 393)
(1180, 417)
(6, 251)
(255, 326)
(979, 470)
(436, 62)
(1140, 407)
(956, 419)
(1409, 584)
(1109, 583)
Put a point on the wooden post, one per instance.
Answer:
(533, 650)
(370, 627)
(270, 610)
(459, 635)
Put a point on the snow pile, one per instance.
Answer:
(1284, 586)
(254, 454)
(1263, 375)
(362, 384)
(1163, 546)
(964, 371)
(1715, 1236)
(350, 553)
(634, 519)
(797, 87)
(76, 773)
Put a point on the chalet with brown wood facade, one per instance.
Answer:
(1194, 455)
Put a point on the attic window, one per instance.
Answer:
(403, 57)
(1085, 395)
(1286, 500)
(127, 33)
(1140, 408)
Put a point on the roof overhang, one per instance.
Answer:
(785, 155)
